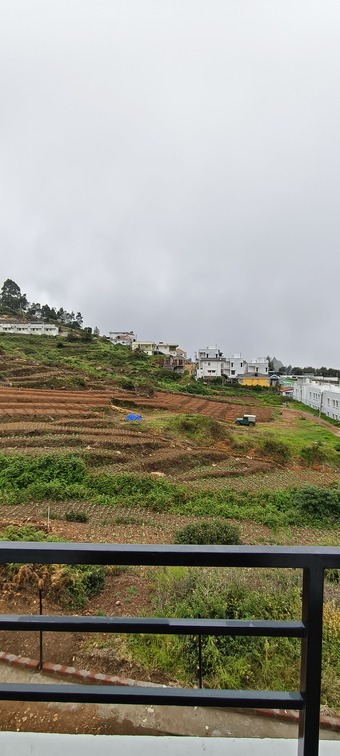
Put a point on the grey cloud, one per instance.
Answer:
(174, 168)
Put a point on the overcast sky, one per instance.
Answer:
(173, 167)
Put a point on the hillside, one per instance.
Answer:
(73, 467)
(79, 362)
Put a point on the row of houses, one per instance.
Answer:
(38, 329)
(321, 396)
(211, 363)
(174, 358)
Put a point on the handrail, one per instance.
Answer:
(312, 560)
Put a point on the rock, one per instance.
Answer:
(157, 474)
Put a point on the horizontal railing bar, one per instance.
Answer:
(160, 696)
(159, 554)
(165, 626)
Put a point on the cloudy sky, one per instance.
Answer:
(173, 167)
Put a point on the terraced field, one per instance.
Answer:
(221, 410)
(40, 421)
(37, 421)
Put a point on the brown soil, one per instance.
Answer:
(40, 402)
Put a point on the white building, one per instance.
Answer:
(153, 348)
(324, 397)
(211, 363)
(124, 338)
(170, 350)
(40, 329)
(258, 365)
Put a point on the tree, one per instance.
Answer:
(11, 296)
(79, 319)
(96, 331)
(270, 363)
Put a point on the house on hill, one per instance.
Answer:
(28, 329)
(124, 338)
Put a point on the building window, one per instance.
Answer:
(232, 372)
(328, 401)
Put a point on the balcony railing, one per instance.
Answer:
(311, 560)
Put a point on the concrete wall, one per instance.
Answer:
(320, 396)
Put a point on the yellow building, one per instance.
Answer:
(254, 380)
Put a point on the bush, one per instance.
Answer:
(214, 532)
(277, 450)
(23, 533)
(19, 472)
(321, 505)
(73, 584)
(199, 428)
(74, 516)
(313, 454)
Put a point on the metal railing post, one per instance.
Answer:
(200, 682)
(40, 633)
(311, 657)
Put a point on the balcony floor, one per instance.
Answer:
(39, 744)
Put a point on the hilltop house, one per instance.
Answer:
(124, 338)
(20, 328)
(151, 348)
(211, 363)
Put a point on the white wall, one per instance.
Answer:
(322, 396)
(40, 329)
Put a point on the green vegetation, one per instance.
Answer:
(73, 585)
(235, 662)
(198, 428)
(74, 515)
(303, 434)
(276, 450)
(216, 532)
(49, 478)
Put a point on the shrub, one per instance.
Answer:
(83, 581)
(199, 428)
(74, 516)
(19, 471)
(313, 454)
(277, 450)
(322, 505)
(23, 533)
(214, 532)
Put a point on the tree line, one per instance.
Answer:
(11, 298)
(296, 370)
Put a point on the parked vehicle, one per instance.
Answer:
(246, 420)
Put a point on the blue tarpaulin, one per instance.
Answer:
(133, 416)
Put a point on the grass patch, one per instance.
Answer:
(235, 662)
(48, 478)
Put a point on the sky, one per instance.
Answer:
(172, 167)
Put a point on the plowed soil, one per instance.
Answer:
(16, 401)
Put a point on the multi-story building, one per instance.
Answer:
(124, 338)
(40, 329)
(211, 363)
(258, 365)
(170, 349)
(324, 397)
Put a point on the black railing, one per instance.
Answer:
(312, 560)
